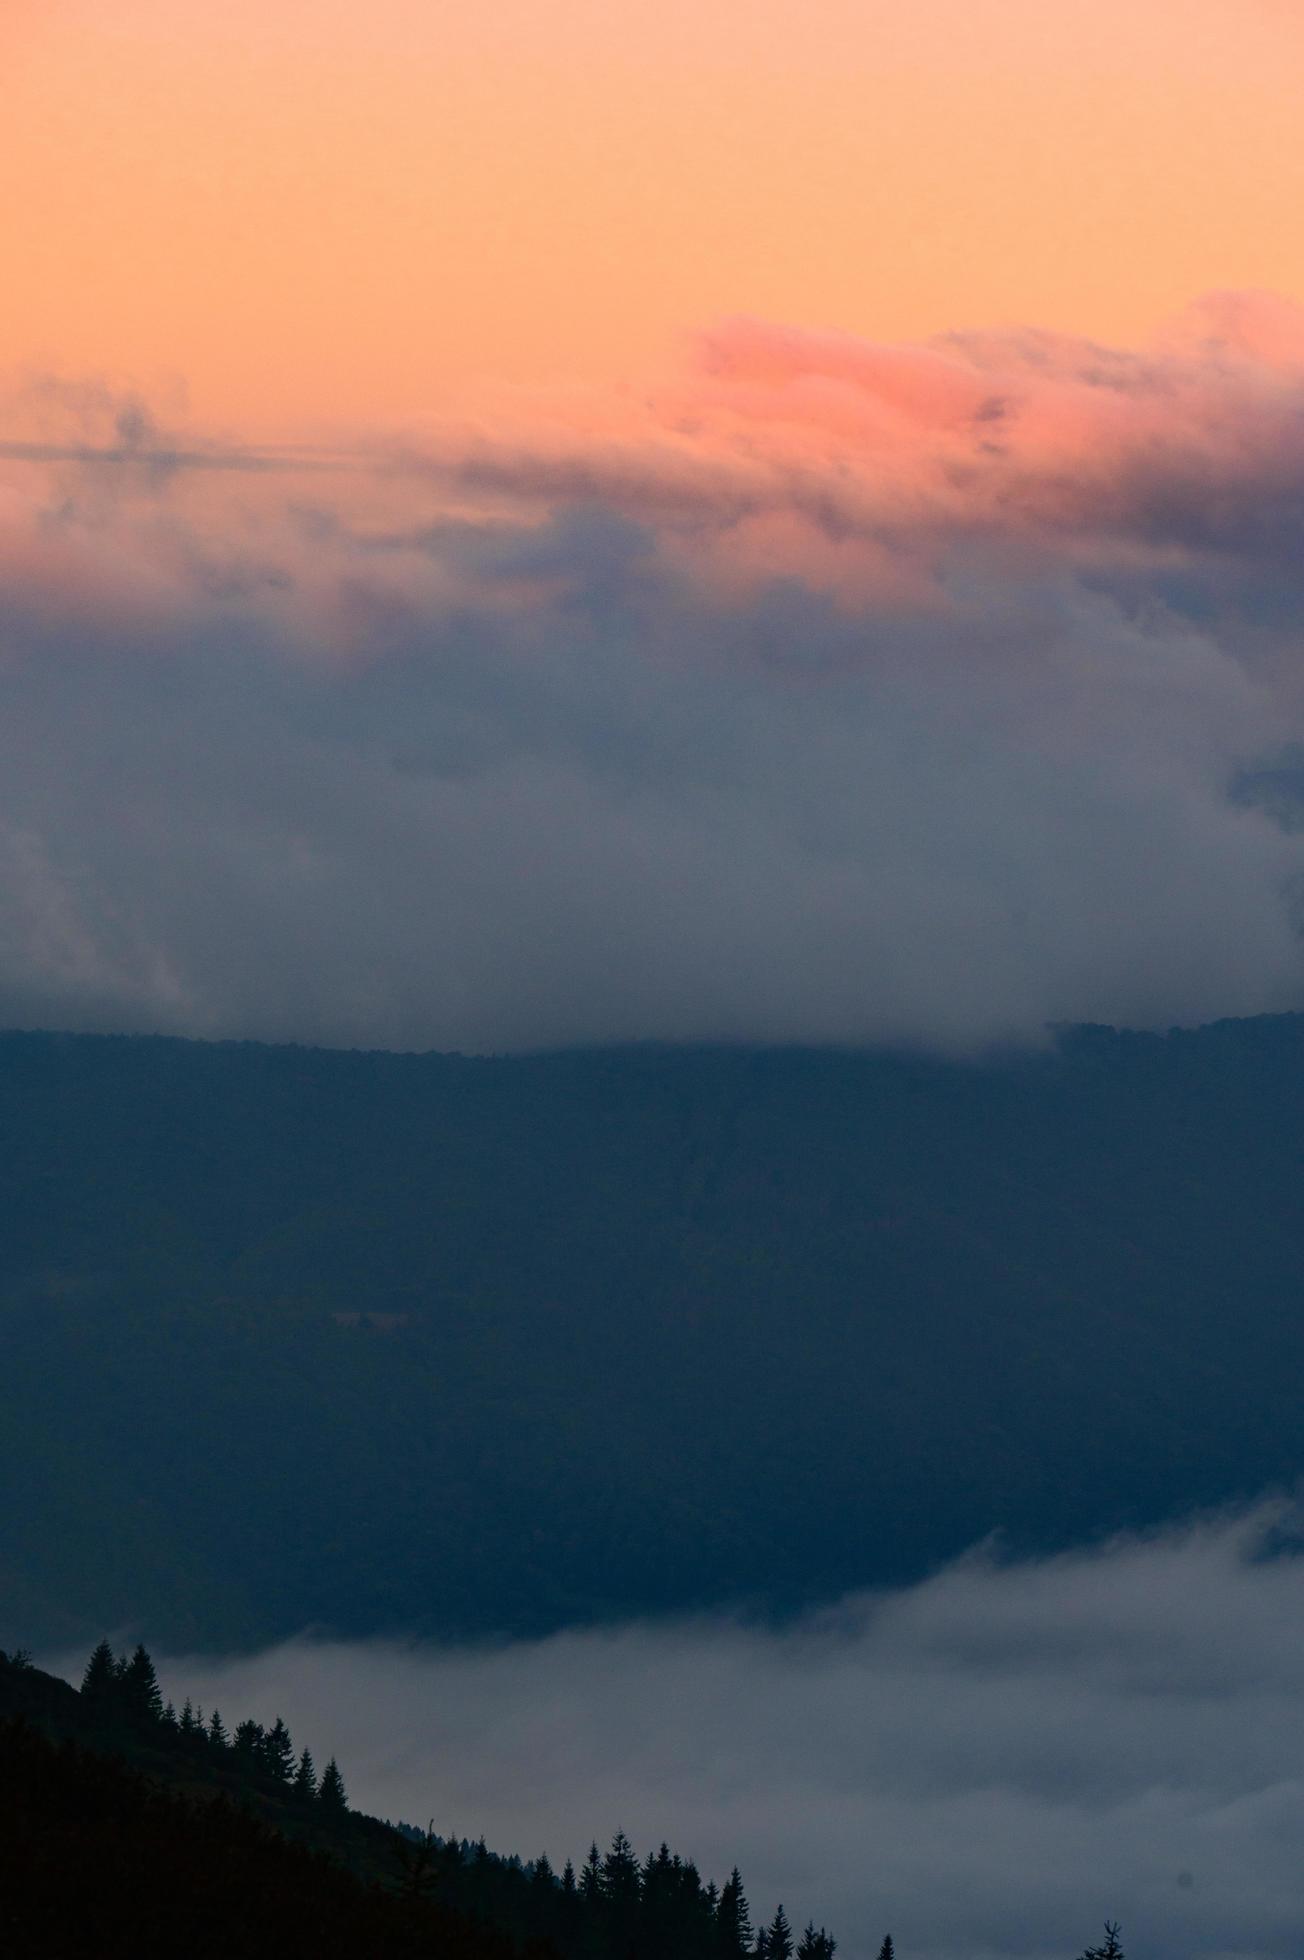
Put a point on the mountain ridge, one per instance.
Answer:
(338, 1337)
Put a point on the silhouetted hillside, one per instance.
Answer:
(369, 1340)
(125, 1829)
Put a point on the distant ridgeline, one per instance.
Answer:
(454, 1346)
(127, 1827)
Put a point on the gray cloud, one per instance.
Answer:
(399, 770)
(620, 817)
(986, 1764)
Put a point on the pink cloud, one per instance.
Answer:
(866, 471)
(857, 465)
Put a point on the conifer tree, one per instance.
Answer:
(887, 1951)
(733, 1925)
(170, 1717)
(620, 1874)
(100, 1680)
(190, 1724)
(332, 1795)
(305, 1776)
(453, 1856)
(778, 1937)
(278, 1752)
(217, 1734)
(762, 1946)
(418, 1854)
(1111, 1950)
(816, 1945)
(591, 1876)
(140, 1690)
(544, 1878)
(248, 1741)
(568, 1885)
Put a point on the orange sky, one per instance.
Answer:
(322, 210)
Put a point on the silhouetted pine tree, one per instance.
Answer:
(217, 1734)
(887, 1951)
(591, 1877)
(170, 1718)
(733, 1925)
(418, 1855)
(778, 1938)
(100, 1681)
(816, 1945)
(1111, 1950)
(570, 1909)
(332, 1795)
(453, 1861)
(664, 1904)
(140, 1690)
(190, 1723)
(247, 1742)
(305, 1776)
(278, 1752)
(620, 1877)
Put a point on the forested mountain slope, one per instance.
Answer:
(378, 1341)
(125, 1829)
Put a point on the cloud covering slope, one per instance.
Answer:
(986, 1764)
(829, 691)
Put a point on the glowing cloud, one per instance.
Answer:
(831, 691)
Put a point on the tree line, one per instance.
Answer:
(616, 1907)
(123, 1689)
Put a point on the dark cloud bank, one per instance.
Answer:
(919, 695)
(986, 1764)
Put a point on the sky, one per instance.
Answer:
(314, 210)
(557, 523)
(988, 1764)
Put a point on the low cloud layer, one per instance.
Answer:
(830, 692)
(986, 1764)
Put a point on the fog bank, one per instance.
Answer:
(985, 1764)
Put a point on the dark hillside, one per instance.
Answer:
(124, 1829)
(95, 1859)
(124, 1836)
(369, 1340)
